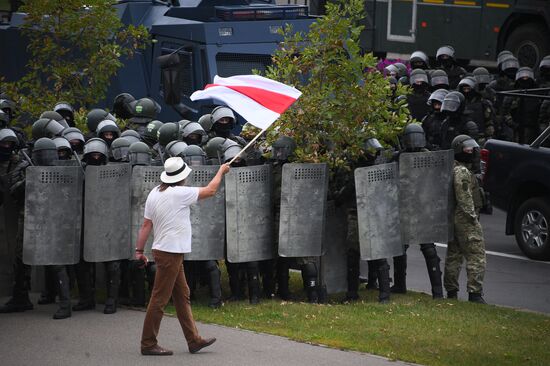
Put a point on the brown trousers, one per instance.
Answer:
(169, 281)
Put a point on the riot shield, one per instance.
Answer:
(333, 264)
(207, 218)
(425, 181)
(303, 209)
(107, 213)
(377, 192)
(53, 215)
(144, 179)
(248, 214)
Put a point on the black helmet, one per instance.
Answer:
(140, 154)
(464, 147)
(9, 141)
(391, 70)
(445, 55)
(131, 135)
(482, 75)
(175, 148)
(229, 149)
(418, 77)
(402, 69)
(419, 60)
(108, 126)
(75, 138)
(283, 148)
(194, 156)
(212, 149)
(206, 122)
(120, 149)
(510, 66)
(192, 132)
(472, 129)
(4, 119)
(55, 116)
(8, 107)
(64, 148)
(144, 110)
(95, 116)
(438, 96)
(46, 127)
(151, 133)
(372, 145)
(44, 152)
(168, 132)
(453, 102)
(95, 146)
(67, 111)
(439, 79)
(525, 78)
(414, 137)
(121, 105)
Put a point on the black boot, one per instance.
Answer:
(85, 288)
(234, 282)
(353, 276)
(126, 282)
(20, 294)
(453, 294)
(372, 280)
(50, 281)
(399, 274)
(214, 282)
(64, 291)
(383, 271)
(283, 291)
(434, 270)
(253, 278)
(476, 298)
(309, 276)
(267, 272)
(112, 285)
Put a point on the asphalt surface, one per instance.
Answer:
(92, 338)
(511, 279)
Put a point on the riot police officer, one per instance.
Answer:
(431, 124)
(480, 109)
(455, 120)
(419, 60)
(223, 123)
(108, 131)
(131, 136)
(414, 140)
(439, 80)
(120, 149)
(192, 133)
(94, 117)
(66, 110)
(445, 57)
(483, 79)
(121, 106)
(522, 114)
(12, 186)
(417, 100)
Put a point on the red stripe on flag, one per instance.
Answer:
(274, 101)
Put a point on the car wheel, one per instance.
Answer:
(531, 227)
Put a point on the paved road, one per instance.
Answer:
(511, 278)
(92, 338)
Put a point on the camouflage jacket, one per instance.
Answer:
(467, 193)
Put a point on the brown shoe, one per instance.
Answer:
(156, 351)
(195, 347)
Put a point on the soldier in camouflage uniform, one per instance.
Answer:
(12, 190)
(468, 241)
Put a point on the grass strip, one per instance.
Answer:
(412, 328)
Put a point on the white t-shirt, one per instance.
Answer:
(169, 212)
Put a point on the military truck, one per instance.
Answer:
(199, 39)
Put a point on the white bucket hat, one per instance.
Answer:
(175, 170)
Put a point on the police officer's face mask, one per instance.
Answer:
(545, 73)
(446, 62)
(6, 150)
(524, 83)
(510, 73)
(222, 129)
(193, 139)
(436, 106)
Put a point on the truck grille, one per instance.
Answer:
(230, 64)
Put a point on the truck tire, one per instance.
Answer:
(530, 43)
(531, 226)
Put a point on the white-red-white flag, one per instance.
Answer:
(258, 99)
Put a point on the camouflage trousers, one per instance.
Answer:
(467, 245)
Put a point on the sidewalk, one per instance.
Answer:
(92, 338)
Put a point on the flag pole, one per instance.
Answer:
(249, 144)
